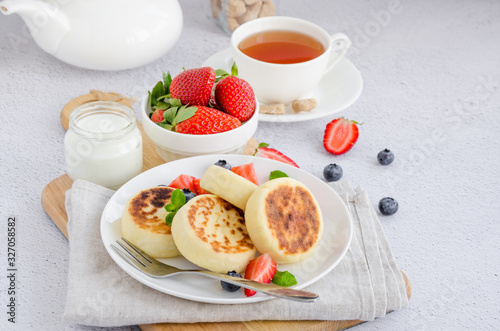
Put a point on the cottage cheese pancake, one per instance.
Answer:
(227, 185)
(143, 222)
(211, 233)
(284, 219)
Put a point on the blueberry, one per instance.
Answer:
(188, 194)
(231, 287)
(223, 164)
(388, 206)
(333, 172)
(385, 157)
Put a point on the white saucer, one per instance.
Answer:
(339, 89)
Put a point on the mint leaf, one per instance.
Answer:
(277, 174)
(178, 199)
(284, 278)
(169, 218)
(170, 208)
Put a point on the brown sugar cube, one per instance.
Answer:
(236, 8)
(268, 9)
(251, 13)
(216, 8)
(304, 105)
(232, 23)
(272, 109)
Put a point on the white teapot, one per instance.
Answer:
(101, 34)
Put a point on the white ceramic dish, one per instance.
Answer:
(172, 146)
(339, 89)
(337, 233)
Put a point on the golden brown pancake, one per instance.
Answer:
(143, 222)
(211, 233)
(284, 219)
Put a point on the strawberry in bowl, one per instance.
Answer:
(183, 118)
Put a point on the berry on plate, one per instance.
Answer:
(230, 287)
(197, 188)
(333, 172)
(223, 164)
(183, 181)
(188, 194)
(388, 206)
(340, 135)
(193, 86)
(385, 157)
(234, 95)
(273, 154)
(261, 269)
(246, 171)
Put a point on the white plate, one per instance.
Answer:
(338, 89)
(332, 248)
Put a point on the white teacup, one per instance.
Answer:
(284, 83)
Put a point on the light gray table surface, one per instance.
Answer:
(431, 74)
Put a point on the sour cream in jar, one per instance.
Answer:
(103, 144)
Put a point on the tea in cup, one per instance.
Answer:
(284, 58)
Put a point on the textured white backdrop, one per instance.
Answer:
(431, 75)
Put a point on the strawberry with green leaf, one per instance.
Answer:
(270, 153)
(193, 86)
(234, 95)
(198, 120)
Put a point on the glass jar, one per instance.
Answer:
(229, 14)
(103, 144)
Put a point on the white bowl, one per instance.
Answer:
(173, 146)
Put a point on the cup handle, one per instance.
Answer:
(341, 44)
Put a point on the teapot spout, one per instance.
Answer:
(47, 23)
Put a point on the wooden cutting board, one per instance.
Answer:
(53, 197)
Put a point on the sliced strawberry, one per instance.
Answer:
(197, 188)
(184, 181)
(271, 153)
(157, 115)
(261, 269)
(340, 135)
(246, 171)
(193, 86)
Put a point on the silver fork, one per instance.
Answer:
(157, 269)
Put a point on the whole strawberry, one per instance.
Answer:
(235, 96)
(157, 115)
(194, 86)
(207, 121)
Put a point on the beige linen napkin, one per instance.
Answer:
(365, 285)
